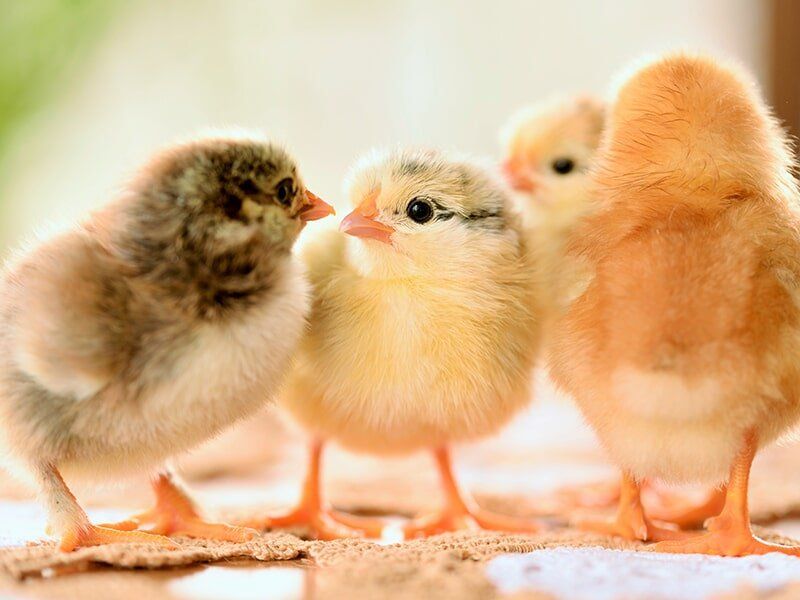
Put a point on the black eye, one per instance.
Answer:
(232, 204)
(284, 191)
(562, 166)
(419, 210)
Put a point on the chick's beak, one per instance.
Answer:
(316, 208)
(362, 222)
(516, 176)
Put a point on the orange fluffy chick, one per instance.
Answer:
(683, 350)
(422, 331)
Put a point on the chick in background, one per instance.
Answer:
(422, 331)
(683, 352)
(166, 316)
(548, 149)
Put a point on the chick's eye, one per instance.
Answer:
(562, 166)
(284, 191)
(419, 210)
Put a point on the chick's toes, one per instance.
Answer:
(312, 513)
(176, 514)
(630, 521)
(460, 511)
(321, 524)
(95, 535)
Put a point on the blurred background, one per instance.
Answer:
(88, 88)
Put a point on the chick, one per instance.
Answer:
(683, 350)
(548, 150)
(163, 318)
(420, 329)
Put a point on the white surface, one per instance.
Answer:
(212, 583)
(600, 574)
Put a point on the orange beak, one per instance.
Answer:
(316, 208)
(361, 222)
(516, 176)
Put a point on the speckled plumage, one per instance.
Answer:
(165, 317)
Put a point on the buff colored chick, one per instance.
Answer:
(683, 351)
(420, 331)
(163, 318)
(549, 148)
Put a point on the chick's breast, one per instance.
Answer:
(395, 365)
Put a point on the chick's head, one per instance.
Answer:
(228, 193)
(419, 212)
(548, 148)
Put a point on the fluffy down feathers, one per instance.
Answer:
(549, 148)
(159, 321)
(429, 339)
(687, 334)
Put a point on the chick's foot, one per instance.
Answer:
(95, 535)
(630, 521)
(312, 512)
(67, 519)
(322, 524)
(457, 518)
(176, 514)
(725, 537)
(729, 534)
(460, 511)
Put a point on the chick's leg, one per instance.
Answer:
(630, 522)
(729, 534)
(67, 519)
(175, 513)
(460, 510)
(313, 512)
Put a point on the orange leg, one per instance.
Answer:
(313, 512)
(176, 514)
(692, 517)
(729, 534)
(630, 522)
(69, 520)
(662, 506)
(460, 510)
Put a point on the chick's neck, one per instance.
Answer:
(377, 260)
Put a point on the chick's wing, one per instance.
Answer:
(64, 314)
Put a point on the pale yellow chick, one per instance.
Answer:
(423, 327)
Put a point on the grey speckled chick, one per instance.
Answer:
(165, 317)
